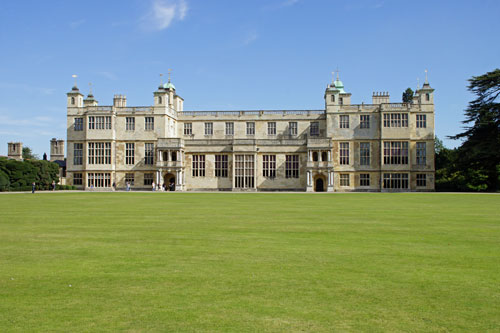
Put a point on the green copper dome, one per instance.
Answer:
(169, 85)
(339, 85)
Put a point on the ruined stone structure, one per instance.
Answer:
(381, 146)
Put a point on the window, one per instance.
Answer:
(129, 153)
(221, 166)
(244, 171)
(421, 121)
(421, 153)
(427, 97)
(99, 153)
(314, 128)
(160, 100)
(209, 128)
(315, 156)
(188, 129)
(250, 128)
(364, 121)
(364, 179)
(344, 153)
(99, 123)
(333, 98)
(148, 179)
(77, 179)
(344, 121)
(78, 124)
(199, 165)
(341, 100)
(395, 120)
(91, 122)
(149, 123)
(72, 100)
(130, 124)
(324, 156)
(421, 180)
(396, 180)
(129, 178)
(292, 128)
(149, 153)
(364, 153)
(292, 166)
(229, 128)
(344, 179)
(99, 179)
(78, 153)
(395, 152)
(269, 166)
(271, 128)
(107, 122)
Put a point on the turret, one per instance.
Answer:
(56, 150)
(120, 101)
(15, 150)
(380, 97)
(426, 93)
(90, 101)
(335, 95)
(75, 98)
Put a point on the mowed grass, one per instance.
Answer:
(145, 262)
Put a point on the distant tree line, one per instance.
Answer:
(19, 175)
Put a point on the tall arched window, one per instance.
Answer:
(333, 98)
(427, 97)
(160, 100)
(315, 156)
(324, 156)
(72, 100)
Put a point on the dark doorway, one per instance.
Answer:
(169, 182)
(319, 185)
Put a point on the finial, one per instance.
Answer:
(418, 83)
(90, 88)
(169, 72)
(74, 76)
(426, 81)
(338, 71)
(161, 79)
(333, 77)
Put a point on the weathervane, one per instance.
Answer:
(74, 76)
(338, 71)
(426, 76)
(169, 71)
(90, 88)
(161, 79)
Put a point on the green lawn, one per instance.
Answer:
(143, 262)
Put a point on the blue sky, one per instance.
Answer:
(274, 54)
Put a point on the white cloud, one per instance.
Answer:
(76, 24)
(250, 37)
(163, 13)
(108, 75)
(279, 5)
(27, 88)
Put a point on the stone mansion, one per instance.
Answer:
(381, 146)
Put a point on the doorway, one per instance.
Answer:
(319, 185)
(169, 182)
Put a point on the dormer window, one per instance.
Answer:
(72, 101)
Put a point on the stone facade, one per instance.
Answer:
(381, 146)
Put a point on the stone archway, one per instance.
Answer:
(169, 181)
(319, 184)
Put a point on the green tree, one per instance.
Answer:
(481, 149)
(28, 154)
(4, 181)
(408, 96)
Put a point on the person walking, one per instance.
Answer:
(53, 185)
(33, 187)
(153, 186)
(128, 187)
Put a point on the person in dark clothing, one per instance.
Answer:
(33, 186)
(53, 185)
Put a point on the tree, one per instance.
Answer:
(408, 96)
(28, 154)
(481, 149)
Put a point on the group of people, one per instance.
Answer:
(52, 186)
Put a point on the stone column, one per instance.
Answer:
(329, 155)
(309, 157)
